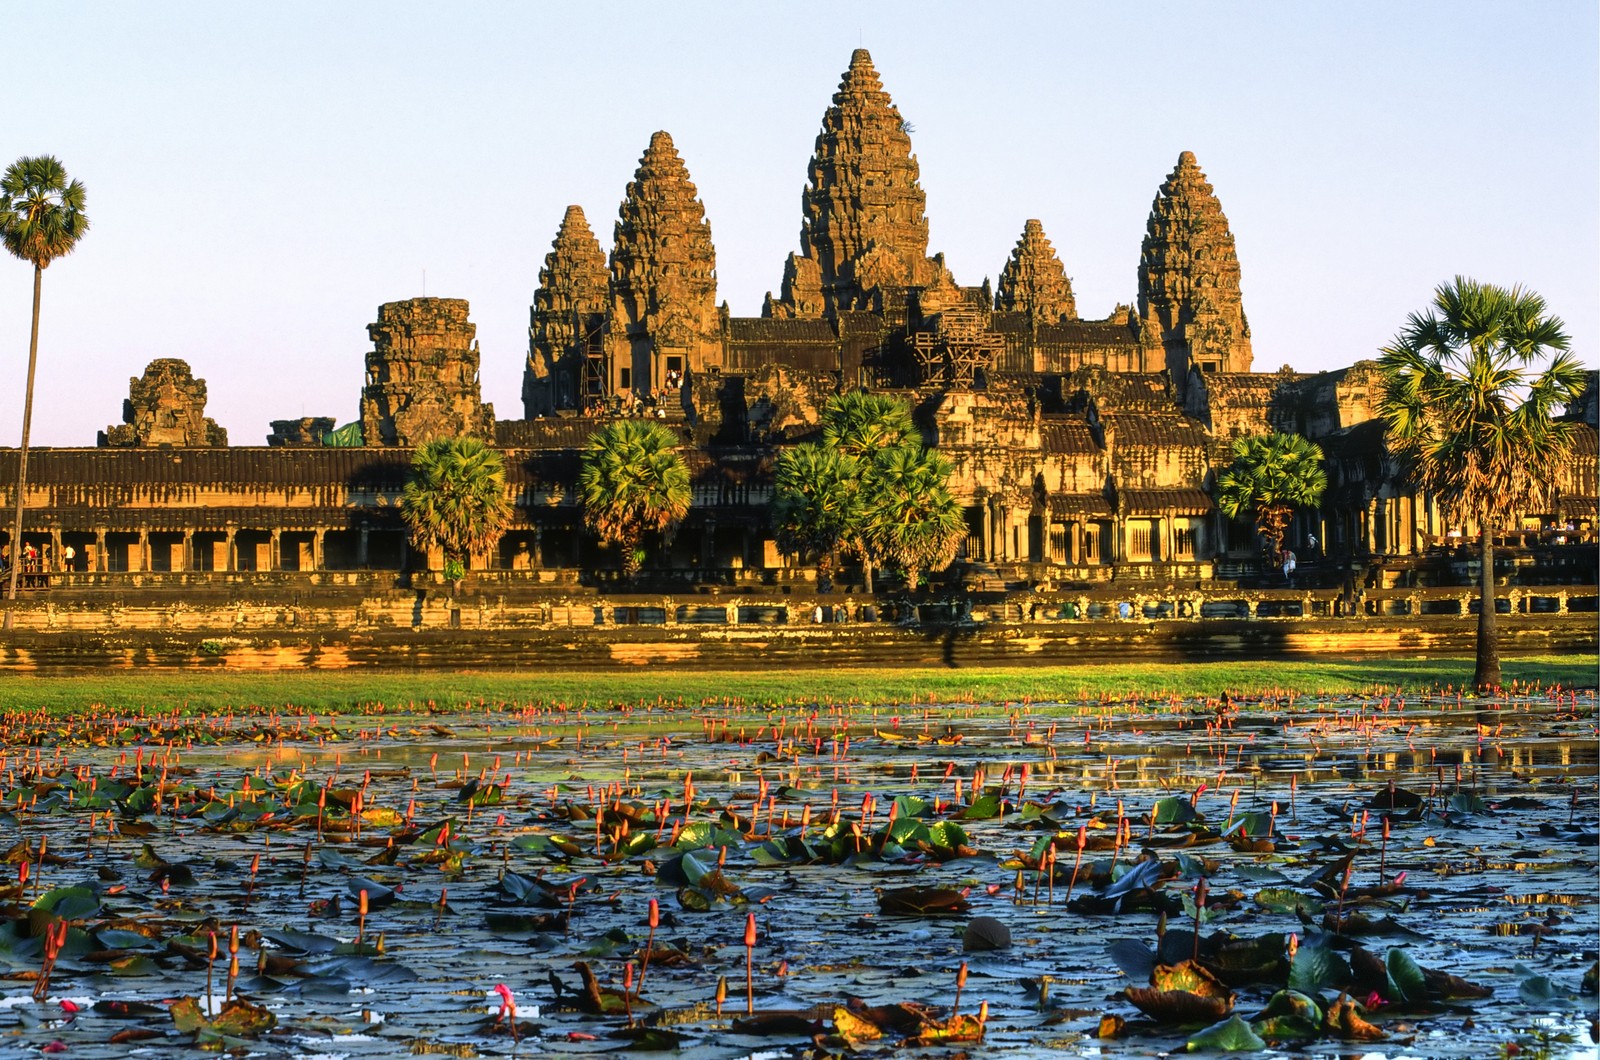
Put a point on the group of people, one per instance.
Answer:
(36, 560)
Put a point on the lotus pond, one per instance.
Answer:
(1401, 875)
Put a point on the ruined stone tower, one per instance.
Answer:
(664, 322)
(1034, 280)
(566, 359)
(865, 224)
(1189, 299)
(165, 406)
(422, 375)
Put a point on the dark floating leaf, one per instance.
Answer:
(985, 933)
(1177, 1006)
(922, 901)
(1135, 959)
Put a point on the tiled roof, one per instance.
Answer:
(1067, 435)
(781, 330)
(1184, 501)
(555, 432)
(1161, 432)
(1078, 505)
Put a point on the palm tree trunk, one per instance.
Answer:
(1487, 673)
(22, 453)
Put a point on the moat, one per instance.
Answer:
(504, 843)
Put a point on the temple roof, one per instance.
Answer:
(1181, 501)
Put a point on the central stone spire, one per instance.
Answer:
(664, 320)
(865, 223)
(1189, 299)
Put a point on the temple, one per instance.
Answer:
(1084, 447)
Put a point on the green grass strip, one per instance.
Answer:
(344, 691)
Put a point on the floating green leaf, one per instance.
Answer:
(1232, 1035)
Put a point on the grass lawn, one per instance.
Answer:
(325, 691)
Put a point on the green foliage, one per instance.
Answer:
(456, 499)
(817, 501)
(860, 424)
(871, 487)
(1271, 475)
(912, 520)
(632, 482)
(1467, 405)
(41, 211)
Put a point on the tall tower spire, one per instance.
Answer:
(1189, 278)
(568, 312)
(664, 315)
(1034, 281)
(865, 223)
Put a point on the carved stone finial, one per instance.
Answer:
(568, 312)
(422, 375)
(663, 276)
(865, 213)
(165, 406)
(1189, 277)
(1034, 281)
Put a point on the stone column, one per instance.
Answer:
(233, 549)
(188, 550)
(100, 551)
(361, 547)
(55, 550)
(988, 533)
(275, 549)
(317, 557)
(144, 551)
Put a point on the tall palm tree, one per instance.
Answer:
(1469, 411)
(41, 219)
(1271, 475)
(632, 482)
(456, 500)
(912, 520)
(864, 427)
(817, 502)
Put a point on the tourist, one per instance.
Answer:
(1311, 544)
(69, 557)
(1124, 610)
(1288, 567)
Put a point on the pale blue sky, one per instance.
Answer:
(262, 176)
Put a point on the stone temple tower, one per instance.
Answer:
(566, 360)
(664, 324)
(1189, 300)
(1034, 280)
(865, 224)
(422, 375)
